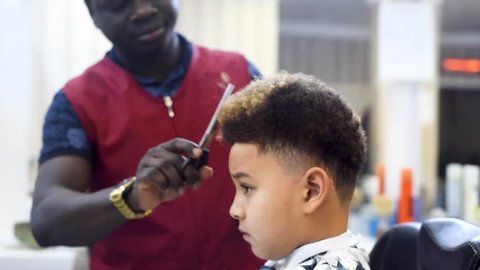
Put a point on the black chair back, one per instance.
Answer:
(449, 244)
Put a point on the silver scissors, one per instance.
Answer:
(208, 135)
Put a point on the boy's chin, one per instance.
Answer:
(265, 255)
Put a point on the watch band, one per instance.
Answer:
(117, 198)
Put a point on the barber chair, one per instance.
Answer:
(397, 248)
(436, 244)
(449, 243)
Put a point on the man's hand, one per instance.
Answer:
(159, 175)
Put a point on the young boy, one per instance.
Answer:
(297, 150)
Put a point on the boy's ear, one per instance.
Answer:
(317, 185)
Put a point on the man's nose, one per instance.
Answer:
(143, 9)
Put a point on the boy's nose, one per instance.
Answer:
(236, 211)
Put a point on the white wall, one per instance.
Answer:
(248, 26)
(15, 88)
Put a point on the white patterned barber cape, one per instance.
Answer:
(336, 253)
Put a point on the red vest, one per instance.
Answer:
(122, 121)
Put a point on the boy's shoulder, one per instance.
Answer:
(349, 258)
(337, 253)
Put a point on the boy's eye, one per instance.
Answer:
(246, 188)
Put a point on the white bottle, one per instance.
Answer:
(471, 181)
(454, 190)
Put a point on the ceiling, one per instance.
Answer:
(461, 16)
(457, 15)
(326, 11)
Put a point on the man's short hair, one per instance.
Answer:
(88, 3)
(303, 122)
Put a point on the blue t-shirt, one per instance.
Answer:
(63, 133)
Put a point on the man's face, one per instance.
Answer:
(136, 27)
(267, 203)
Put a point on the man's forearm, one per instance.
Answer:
(75, 219)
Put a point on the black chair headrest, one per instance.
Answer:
(448, 243)
(397, 248)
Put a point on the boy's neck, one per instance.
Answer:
(329, 221)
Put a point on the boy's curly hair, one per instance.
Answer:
(303, 122)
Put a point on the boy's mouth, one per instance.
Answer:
(245, 235)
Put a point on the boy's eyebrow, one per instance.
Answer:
(239, 175)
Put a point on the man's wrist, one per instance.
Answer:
(118, 198)
(131, 199)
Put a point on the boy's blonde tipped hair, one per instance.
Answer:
(303, 122)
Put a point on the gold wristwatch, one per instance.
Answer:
(117, 198)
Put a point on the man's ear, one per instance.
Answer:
(317, 185)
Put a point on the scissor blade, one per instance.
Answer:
(207, 136)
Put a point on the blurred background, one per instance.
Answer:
(411, 69)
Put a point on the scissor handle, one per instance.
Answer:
(197, 163)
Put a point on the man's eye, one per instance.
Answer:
(112, 4)
(246, 188)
